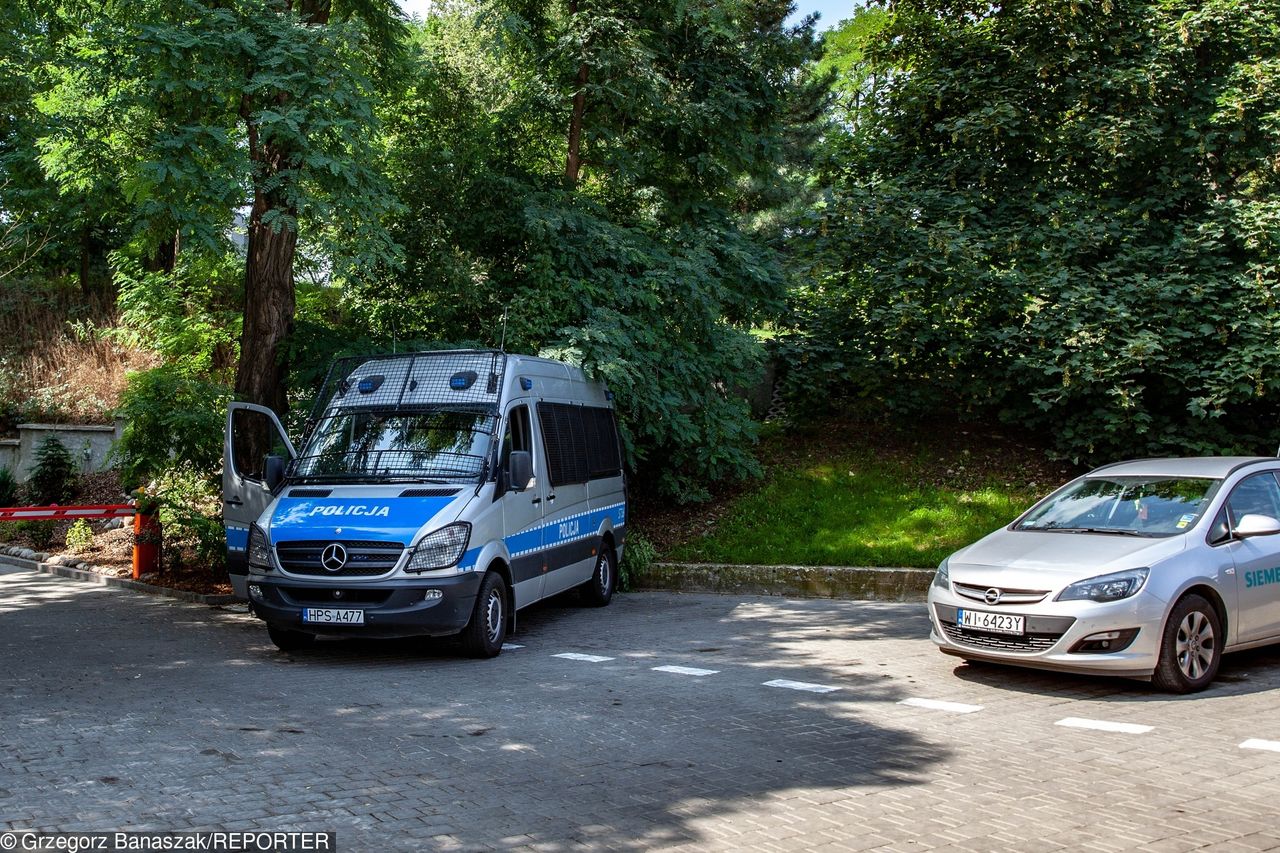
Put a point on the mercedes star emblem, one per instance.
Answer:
(333, 558)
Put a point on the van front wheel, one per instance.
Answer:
(484, 634)
(598, 591)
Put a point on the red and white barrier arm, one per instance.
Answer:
(42, 513)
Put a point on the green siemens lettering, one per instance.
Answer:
(1262, 577)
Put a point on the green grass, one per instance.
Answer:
(857, 510)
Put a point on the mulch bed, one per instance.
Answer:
(111, 553)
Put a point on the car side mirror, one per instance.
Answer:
(1256, 525)
(273, 472)
(520, 470)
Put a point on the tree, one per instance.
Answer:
(613, 209)
(1066, 214)
(279, 91)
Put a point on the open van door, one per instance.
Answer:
(253, 433)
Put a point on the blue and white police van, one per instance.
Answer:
(435, 493)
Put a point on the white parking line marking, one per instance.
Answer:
(506, 647)
(939, 705)
(685, 670)
(800, 685)
(1255, 743)
(1104, 726)
(587, 658)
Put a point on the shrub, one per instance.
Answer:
(39, 533)
(79, 537)
(173, 418)
(190, 503)
(637, 556)
(8, 488)
(54, 478)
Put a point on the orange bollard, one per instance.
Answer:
(147, 539)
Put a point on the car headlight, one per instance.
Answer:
(942, 579)
(441, 549)
(1111, 587)
(259, 549)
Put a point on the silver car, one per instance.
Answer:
(1149, 569)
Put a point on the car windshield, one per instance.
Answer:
(445, 444)
(1136, 506)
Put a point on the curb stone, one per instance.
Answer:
(39, 565)
(843, 582)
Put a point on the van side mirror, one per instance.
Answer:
(520, 470)
(273, 472)
(1256, 525)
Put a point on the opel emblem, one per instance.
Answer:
(334, 557)
(992, 595)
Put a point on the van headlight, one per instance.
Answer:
(942, 579)
(441, 549)
(1104, 588)
(259, 549)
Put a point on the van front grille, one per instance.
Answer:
(364, 559)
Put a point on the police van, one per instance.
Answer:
(435, 493)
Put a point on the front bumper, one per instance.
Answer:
(1052, 629)
(392, 608)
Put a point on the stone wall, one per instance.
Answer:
(90, 446)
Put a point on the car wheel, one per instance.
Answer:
(289, 641)
(1191, 648)
(598, 591)
(484, 634)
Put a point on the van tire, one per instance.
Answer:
(598, 591)
(290, 641)
(485, 633)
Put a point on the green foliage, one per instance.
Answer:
(854, 510)
(638, 554)
(189, 316)
(171, 417)
(79, 537)
(649, 269)
(38, 533)
(8, 488)
(53, 479)
(1065, 213)
(190, 505)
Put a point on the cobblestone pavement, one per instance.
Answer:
(123, 711)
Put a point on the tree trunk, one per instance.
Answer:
(86, 246)
(269, 303)
(269, 296)
(165, 257)
(573, 162)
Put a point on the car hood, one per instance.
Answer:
(1029, 559)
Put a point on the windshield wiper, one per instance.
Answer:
(1112, 531)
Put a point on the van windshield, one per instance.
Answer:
(1134, 506)
(443, 444)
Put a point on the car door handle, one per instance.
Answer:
(551, 498)
(233, 501)
(536, 501)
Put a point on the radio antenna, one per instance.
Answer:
(502, 346)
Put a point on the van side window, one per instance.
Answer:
(602, 442)
(565, 440)
(516, 436)
(581, 442)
